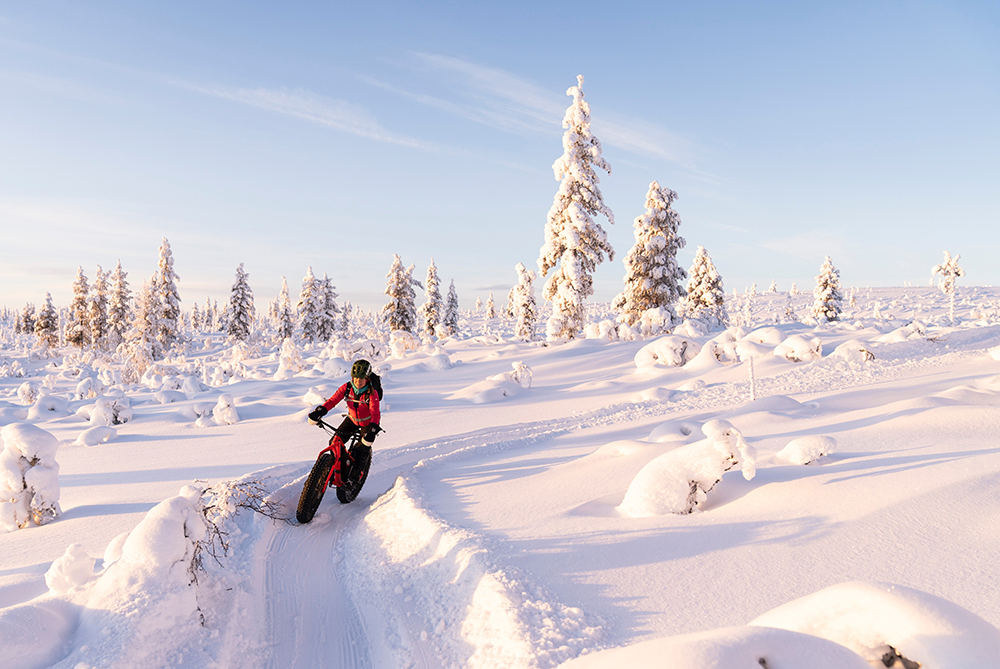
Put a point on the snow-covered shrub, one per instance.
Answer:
(191, 386)
(74, 569)
(401, 341)
(225, 410)
(29, 476)
(656, 321)
(12, 368)
(912, 330)
(47, 407)
(799, 349)
(768, 335)
(28, 392)
(605, 329)
(891, 626)
(100, 434)
(114, 408)
(520, 374)
(677, 481)
(289, 361)
(245, 350)
(853, 351)
(804, 450)
(671, 350)
(692, 328)
(88, 388)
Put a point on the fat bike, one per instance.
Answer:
(343, 465)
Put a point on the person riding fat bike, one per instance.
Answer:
(362, 410)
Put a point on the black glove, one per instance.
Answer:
(316, 414)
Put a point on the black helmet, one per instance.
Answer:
(361, 369)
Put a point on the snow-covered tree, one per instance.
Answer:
(97, 312)
(450, 321)
(773, 288)
(241, 307)
(27, 319)
(574, 241)
(311, 307)
(705, 298)
(168, 301)
(141, 346)
(479, 304)
(827, 299)
(430, 311)
(283, 312)
(522, 303)
(78, 329)
(653, 279)
(491, 307)
(47, 324)
(400, 312)
(119, 299)
(950, 272)
(345, 319)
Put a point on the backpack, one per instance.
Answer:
(376, 382)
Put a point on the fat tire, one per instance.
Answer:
(314, 488)
(348, 493)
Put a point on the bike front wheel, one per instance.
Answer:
(315, 487)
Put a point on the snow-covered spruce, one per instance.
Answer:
(827, 298)
(574, 241)
(949, 272)
(523, 307)
(283, 315)
(167, 300)
(677, 481)
(706, 299)
(310, 307)
(241, 308)
(450, 321)
(47, 324)
(431, 310)
(29, 476)
(653, 278)
(400, 312)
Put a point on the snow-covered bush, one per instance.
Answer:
(114, 408)
(520, 374)
(100, 434)
(656, 321)
(74, 569)
(88, 388)
(401, 341)
(768, 335)
(29, 476)
(605, 329)
(47, 407)
(912, 330)
(671, 350)
(225, 410)
(853, 351)
(289, 361)
(677, 481)
(804, 450)
(799, 349)
(28, 392)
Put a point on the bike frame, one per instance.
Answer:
(341, 456)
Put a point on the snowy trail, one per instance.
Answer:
(308, 618)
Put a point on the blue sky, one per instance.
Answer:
(283, 135)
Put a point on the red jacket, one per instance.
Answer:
(361, 407)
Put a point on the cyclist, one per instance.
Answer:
(362, 412)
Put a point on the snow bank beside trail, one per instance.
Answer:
(679, 480)
(449, 605)
(875, 619)
(726, 648)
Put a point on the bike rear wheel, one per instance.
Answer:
(315, 487)
(348, 492)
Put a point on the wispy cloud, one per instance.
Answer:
(337, 114)
(812, 246)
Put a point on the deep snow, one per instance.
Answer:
(492, 533)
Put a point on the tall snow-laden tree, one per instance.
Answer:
(400, 312)
(47, 324)
(827, 299)
(330, 314)
(283, 312)
(168, 299)
(28, 319)
(78, 328)
(491, 307)
(141, 346)
(522, 303)
(311, 307)
(97, 312)
(705, 298)
(450, 321)
(574, 241)
(241, 307)
(652, 276)
(430, 311)
(119, 300)
(950, 272)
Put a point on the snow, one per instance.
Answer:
(536, 527)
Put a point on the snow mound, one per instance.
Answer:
(74, 569)
(726, 648)
(673, 430)
(93, 436)
(169, 396)
(671, 350)
(28, 392)
(914, 330)
(496, 388)
(768, 335)
(224, 412)
(112, 409)
(677, 481)
(805, 450)
(874, 619)
(853, 351)
(316, 395)
(800, 349)
(452, 601)
(47, 407)
(994, 353)
(35, 634)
